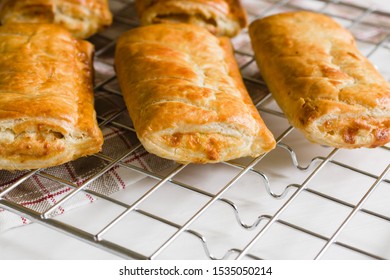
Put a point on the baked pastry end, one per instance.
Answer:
(81, 18)
(324, 85)
(344, 126)
(185, 95)
(220, 17)
(47, 114)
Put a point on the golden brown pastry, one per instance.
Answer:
(221, 17)
(82, 18)
(185, 95)
(321, 81)
(46, 97)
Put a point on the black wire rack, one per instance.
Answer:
(299, 201)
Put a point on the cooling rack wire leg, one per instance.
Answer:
(215, 198)
(288, 202)
(294, 157)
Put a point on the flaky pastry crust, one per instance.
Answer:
(221, 17)
(47, 115)
(186, 97)
(81, 17)
(321, 81)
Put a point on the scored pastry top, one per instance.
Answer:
(47, 111)
(321, 81)
(185, 95)
(81, 18)
(221, 17)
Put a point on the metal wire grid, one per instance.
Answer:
(260, 224)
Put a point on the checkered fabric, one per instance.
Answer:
(40, 193)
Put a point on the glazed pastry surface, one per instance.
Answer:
(82, 17)
(221, 17)
(321, 81)
(47, 115)
(186, 97)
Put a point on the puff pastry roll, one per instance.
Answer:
(47, 115)
(82, 18)
(321, 81)
(185, 95)
(221, 17)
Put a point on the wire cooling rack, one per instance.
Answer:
(300, 201)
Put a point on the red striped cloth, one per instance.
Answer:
(40, 193)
